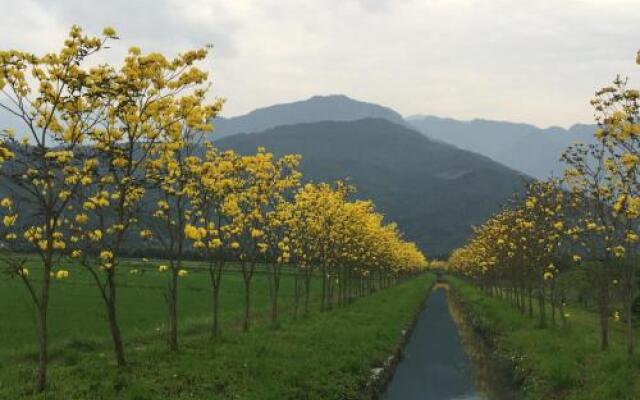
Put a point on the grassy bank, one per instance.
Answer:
(322, 356)
(556, 363)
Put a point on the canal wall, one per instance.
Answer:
(489, 336)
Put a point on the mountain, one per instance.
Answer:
(523, 147)
(315, 109)
(434, 191)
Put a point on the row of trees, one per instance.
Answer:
(518, 253)
(587, 220)
(107, 157)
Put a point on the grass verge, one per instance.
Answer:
(555, 363)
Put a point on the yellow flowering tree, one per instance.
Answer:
(606, 174)
(310, 230)
(348, 244)
(214, 209)
(174, 169)
(596, 226)
(277, 247)
(144, 107)
(264, 181)
(521, 250)
(544, 213)
(53, 99)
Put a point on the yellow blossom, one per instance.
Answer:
(9, 220)
(109, 32)
(215, 243)
(194, 233)
(629, 160)
(618, 251)
(62, 274)
(616, 316)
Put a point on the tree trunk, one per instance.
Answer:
(553, 303)
(340, 286)
(541, 307)
(247, 302)
(215, 275)
(563, 314)
(307, 290)
(296, 292)
(629, 296)
(274, 295)
(247, 298)
(603, 300)
(215, 326)
(323, 299)
(604, 332)
(173, 310)
(116, 337)
(331, 288)
(114, 327)
(43, 332)
(629, 328)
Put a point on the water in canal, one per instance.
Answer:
(445, 360)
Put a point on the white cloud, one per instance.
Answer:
(535, 61)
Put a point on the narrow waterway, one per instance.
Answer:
(445, 360)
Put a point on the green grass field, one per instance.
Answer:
(77, 312)
(321, 356)
(557, 363)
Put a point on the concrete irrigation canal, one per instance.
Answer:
(445, 359)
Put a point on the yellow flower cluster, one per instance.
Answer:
(62, 274)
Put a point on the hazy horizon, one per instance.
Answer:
(405, 116)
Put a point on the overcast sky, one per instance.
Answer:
(525, 61)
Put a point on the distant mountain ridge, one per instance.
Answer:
(532, 150)
(524, 147)
(434, 191)
(314, 109)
